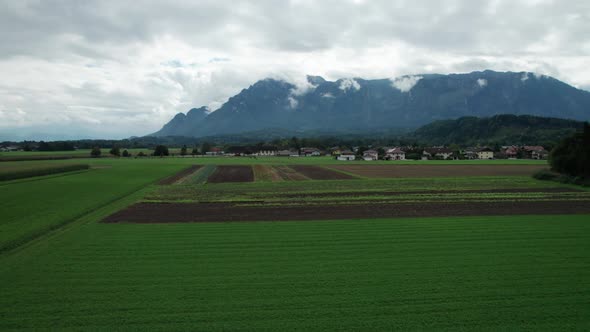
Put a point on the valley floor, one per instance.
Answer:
(62, 268)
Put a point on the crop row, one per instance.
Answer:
(14, 174)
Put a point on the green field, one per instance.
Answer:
(62, 269)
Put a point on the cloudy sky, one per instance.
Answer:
(114, 69)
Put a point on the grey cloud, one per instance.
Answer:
(134, 64)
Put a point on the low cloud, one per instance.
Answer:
(405, 83)
(482, 82)
(349, 83)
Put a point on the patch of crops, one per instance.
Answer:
(278, 190)
(201, 176)
(32, 208)
(21, 173)
(266, 173)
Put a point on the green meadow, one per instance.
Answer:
(61, 269)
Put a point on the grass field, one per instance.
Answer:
(66, 270)
(525, 273)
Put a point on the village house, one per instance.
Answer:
(511, 152)
(310, 152)
(9, 148)
(346, 156)
(266, 151)
(395, 154)
(335, 151)
(370, 155)
(535, 152)
(485, 153)
(215, 151)
(437, 153)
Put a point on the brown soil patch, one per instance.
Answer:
(425, 192)
(179, 176)
(427, 171)
(320, 173)
(266, 173)
(211, 212)
(289, 174)
(231, 174)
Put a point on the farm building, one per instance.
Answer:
(310, 152)
(346, 156)
(485, 153)
(266, 151)
(535, 152)
(511, 152)
(437, 153)
(395, 154)
(215, 151)
(370, 155)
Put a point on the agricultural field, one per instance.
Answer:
(292, 244)
(33, 170)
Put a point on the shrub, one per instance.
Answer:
(545, 175)
(160, 151)
(95, 153)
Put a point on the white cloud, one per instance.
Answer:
(524, 77)
(482, 82)
(327, 95)
(349, 83)
(405, 83)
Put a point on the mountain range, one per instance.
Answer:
(407, 102)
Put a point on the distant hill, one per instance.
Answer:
(501, 129)
(357, 105)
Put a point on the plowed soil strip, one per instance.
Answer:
(320, 173)
(196, 212)
(180, 175)
(429, 192)
(232, 174)
(427, 171)
(289, 174)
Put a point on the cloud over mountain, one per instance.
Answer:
(114, 68)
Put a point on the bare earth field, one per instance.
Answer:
(320, 173)
(232, 174)
(428, 171)
(219, 212)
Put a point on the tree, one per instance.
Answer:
(195, 151)
(141, 154)
(160, 151)
(572, 155)
(95, 153)
(295, 143)
(126, 153)
(115, 151)
(183, 150)
(205, 147)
